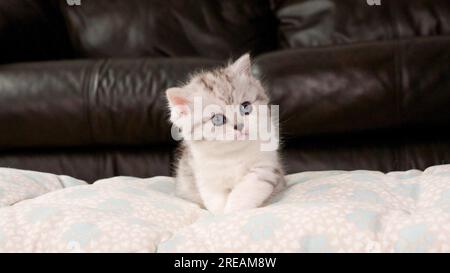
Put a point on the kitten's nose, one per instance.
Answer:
(239, 126)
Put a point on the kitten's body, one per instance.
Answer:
(225, 176)
(200, 171)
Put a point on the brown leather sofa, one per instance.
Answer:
(359, 86)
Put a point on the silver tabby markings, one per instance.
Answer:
(231, 175)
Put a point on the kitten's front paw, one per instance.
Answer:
(216, 210)
(215, 206)
(232, 207)
(249, 194)
(229, 209)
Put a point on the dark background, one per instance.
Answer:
(359, 86)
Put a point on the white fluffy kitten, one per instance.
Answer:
(224, 175)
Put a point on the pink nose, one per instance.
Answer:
(238, 127)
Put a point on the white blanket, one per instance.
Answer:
(334, 211)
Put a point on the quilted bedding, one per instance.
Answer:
(332, 211)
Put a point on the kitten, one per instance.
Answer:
(224, 174)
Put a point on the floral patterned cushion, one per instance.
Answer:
(358, 211)
(120, 214)
(333, 211)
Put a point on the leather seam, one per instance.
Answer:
(90, 92)
(355, 44)
(87, 82)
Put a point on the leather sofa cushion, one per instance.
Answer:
(122, 102)
(88, 102)
(353, 88)
(310, 23)
(134, 28)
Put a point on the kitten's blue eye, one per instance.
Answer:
(218, 120)
(245, 108)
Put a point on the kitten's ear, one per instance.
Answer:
(241, 66)
(177, 99)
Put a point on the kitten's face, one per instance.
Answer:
(222, 103)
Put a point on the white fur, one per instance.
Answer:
(224, 176)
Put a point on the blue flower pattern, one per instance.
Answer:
(365, 219)
(40, 214)
(261, 227)
(116, 205)
(415, 238)
(82, 233)
(315, 244)
(367, 196)
(320, 189)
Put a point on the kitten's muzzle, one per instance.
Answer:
(239, 127)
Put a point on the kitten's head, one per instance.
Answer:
(230, 98)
